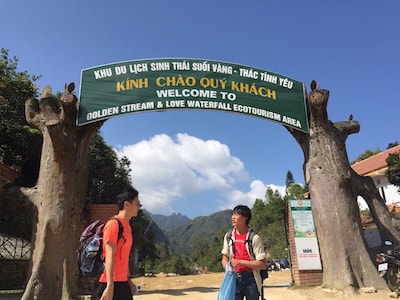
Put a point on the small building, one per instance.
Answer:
(376, 167)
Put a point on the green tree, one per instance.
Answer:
(13, 217)
(259, 215)
(213, 259)
(179, 265)
(108, 175)
(276, 231)
(393, 172)
(268, 220)
(366, 154)
(20, 145)
(296, 191)
(393, 163)
(199, 247)
(163, 254)
(206, 250)
(289, 180)
(391, 145)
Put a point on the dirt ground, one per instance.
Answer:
(206, 287)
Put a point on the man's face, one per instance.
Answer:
(133, 207)
(238, 220)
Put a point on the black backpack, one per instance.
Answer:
(249, 241)
(90, 260)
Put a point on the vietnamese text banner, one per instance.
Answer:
(162, 84)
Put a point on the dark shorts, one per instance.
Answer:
(122, 290)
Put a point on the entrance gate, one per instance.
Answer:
(172, 84)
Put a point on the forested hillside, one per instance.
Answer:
(191, 235)
(169, 222)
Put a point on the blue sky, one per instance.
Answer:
(199, 162)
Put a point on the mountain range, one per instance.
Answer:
(169, 222)
(178, 230)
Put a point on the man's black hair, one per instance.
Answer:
(244, 211)
(128, 194)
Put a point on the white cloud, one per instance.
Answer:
(279, 188)
(166, 170)
(257, 190)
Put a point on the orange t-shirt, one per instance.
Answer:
(121, 256)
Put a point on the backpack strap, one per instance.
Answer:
(120, 228)
(249, 242)
(120, 234)
(231, 244)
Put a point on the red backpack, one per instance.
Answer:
(90, 258)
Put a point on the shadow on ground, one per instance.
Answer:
(6, 296)
(180, 292)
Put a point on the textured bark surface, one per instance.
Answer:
(58, 196)
(334, 188)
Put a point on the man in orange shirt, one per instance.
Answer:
(114, 283)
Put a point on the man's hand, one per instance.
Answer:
(108, 293)
(235, 262)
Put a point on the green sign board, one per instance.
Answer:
(172, 83)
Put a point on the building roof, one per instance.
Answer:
(8, 174)
(375, 164)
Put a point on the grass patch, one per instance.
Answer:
(301, 287)
(6, 292)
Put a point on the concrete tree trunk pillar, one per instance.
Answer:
(332, 183)
(58, 196)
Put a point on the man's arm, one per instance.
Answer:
(224, 261)
(109, 291)
(253, 264)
